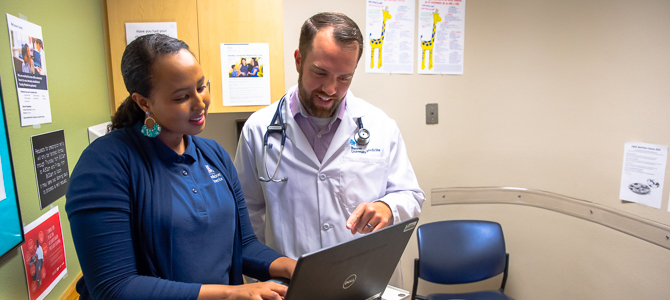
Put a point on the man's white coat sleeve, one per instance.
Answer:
(245, 163)
(403, 194)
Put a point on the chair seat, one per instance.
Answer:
(484, 295)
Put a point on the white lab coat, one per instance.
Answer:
(309, 211)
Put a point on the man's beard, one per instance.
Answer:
(313, 109)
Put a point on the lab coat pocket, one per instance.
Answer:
(362, 179)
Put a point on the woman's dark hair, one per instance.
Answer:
(24, 51)
(137, 70)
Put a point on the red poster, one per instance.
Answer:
(44, 254)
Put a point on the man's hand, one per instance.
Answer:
(369, 217)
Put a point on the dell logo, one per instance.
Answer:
(349, 282)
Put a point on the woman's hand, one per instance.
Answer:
(252, 291)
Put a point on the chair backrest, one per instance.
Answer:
(461, 251)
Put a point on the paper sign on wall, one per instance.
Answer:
(245, 74)
(135, 30)
(30, 71)
(389, 35)
(643, 173)
(51, 167)
(44, 254)
(441, 37)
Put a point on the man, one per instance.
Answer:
(38, 57)
(38, 260)
(335, 188)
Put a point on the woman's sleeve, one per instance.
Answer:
(98, 208)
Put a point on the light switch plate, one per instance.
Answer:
(431, 113)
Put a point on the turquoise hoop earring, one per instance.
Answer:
(154, 131)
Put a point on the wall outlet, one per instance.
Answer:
(431, 113)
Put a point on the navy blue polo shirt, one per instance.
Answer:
(203, 216)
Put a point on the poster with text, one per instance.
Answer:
(51, 167)
(135, 30)
(441, 36)
(245, 74)
(44, 254)
(389, 34)
(643, 173)
(30, 71)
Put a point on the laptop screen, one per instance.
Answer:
(357, 269)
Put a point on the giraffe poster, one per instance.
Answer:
(389, 36)
(441, 36)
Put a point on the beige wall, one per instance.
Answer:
(550, 93)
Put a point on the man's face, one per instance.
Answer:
(27, 57)
(325, 74)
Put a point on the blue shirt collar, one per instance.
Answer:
(168, 155)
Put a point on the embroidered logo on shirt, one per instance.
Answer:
(216, 177)
(361, 150)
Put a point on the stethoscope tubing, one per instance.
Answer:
(362, 138)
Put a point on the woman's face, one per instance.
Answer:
(179, 99)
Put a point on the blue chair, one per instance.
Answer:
(461, 251)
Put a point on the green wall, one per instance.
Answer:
(73, 43)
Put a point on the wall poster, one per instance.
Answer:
(51, 167)
(30, 71)
(44, 254)
(441, 37)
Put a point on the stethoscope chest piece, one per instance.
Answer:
(362, 136)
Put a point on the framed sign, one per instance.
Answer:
(11, 231)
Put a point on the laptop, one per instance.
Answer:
(359, 269)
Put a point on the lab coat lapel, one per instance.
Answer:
(345, 131)
(298, 139)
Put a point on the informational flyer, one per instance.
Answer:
(441, 36)
(389, 32)
(135, 30)
(643, 173)
(44, 254)
(30, 71)
(51, 167)
(245, 74)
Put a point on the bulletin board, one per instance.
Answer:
(11, 230)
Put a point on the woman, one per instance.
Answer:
(253, 68)
(156, 212)
(244, 68)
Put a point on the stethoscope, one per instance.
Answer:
(361, 138)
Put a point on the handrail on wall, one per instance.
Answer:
(648, 230)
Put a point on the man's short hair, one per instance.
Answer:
(345, 31)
